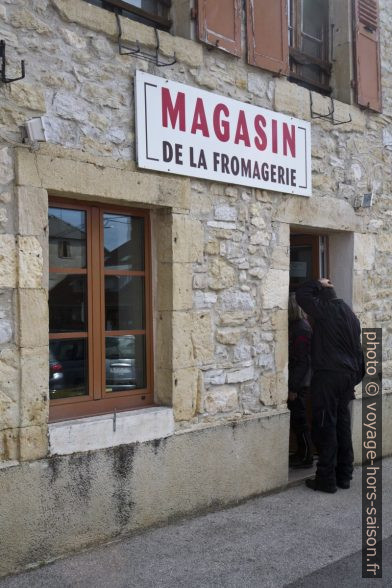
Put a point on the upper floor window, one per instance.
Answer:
(150, 12)
(308, 43)
(294, 38)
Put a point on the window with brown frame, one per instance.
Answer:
(308, 22)
(149, 12)
(292, 38)
(100, 332)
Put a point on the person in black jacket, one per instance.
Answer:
(337, 365)
(300, 334)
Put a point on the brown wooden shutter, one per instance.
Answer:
(367, 53)
(219, 23)
(267, 31)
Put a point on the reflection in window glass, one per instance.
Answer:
(98, 305)
(125, 362)
(124, 303)
(67, 238)
(68, 368)
(312, 48)
(147, 5)
(65, 248)
(123, 242)
(67, 303)
(312, 72)
(150, 6)
(313, 18)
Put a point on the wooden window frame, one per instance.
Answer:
(297, 57)
(122, 8)
(98, 401)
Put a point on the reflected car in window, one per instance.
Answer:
(68, 357)
(120, 363)
(56, 374)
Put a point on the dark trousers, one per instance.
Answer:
(299, 424)
(331, 424)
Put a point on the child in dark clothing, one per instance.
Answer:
(300, 334)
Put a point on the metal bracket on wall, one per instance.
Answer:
(330, 116)
(4, 78)
(137, 52)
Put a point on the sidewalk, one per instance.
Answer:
(298, 537)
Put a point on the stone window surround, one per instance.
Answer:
(100, 180)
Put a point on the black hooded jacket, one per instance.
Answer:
(336, 341)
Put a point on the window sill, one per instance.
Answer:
(101, 432)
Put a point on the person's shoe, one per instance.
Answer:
(344, 484)
(317, 484)
(298, 462)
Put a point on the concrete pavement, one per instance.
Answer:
(297, 538)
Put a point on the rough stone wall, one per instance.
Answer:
(234, 361)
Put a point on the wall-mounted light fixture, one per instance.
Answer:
(33, 130)
(364, 201)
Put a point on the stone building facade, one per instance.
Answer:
(219, 428)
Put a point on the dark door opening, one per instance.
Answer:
(308, 261)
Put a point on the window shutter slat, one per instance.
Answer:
(219, 24)
(267, 31)
(368, 13)
(367, 54)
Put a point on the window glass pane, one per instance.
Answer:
(313, 17)
(300, 264)
(67, 303)
(123, 242)
(124, 303)
(152, 8)
(311, 73)
(67, 238)
(125, 362)
(147, 5)
(313, 48)
(68, 368)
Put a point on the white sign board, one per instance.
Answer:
(183, 130)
